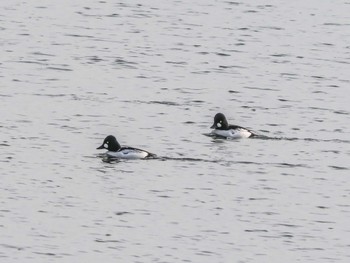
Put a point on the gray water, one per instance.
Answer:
(154, 74)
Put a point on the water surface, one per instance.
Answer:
(154, 74)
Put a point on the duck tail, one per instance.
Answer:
(151, 156)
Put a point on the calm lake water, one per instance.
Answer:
(154, 74)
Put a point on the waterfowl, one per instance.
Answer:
(223, 129)
(115, 150)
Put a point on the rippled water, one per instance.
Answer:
(154, 73)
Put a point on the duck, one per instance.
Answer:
(116, 151)
(223, 129)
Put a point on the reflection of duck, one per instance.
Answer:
(222, 128)
(115, 150)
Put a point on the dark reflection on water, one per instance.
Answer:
(108, 159)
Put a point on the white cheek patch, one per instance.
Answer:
(105, 145)
(218, 125)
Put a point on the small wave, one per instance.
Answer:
(339, 167)
(110, 160)
(265, 137)
(185, 159)
(107, 241)
(255, 230)
(230, 162)
(310, 139)
(32, 62)
(61, 69)
(77, 35)
(170, 103)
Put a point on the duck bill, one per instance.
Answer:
(213, 126)
(101, 147)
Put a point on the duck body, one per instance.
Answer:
(223, 129)
(116, 151)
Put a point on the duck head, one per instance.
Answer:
(220, 122)
(110, 143)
